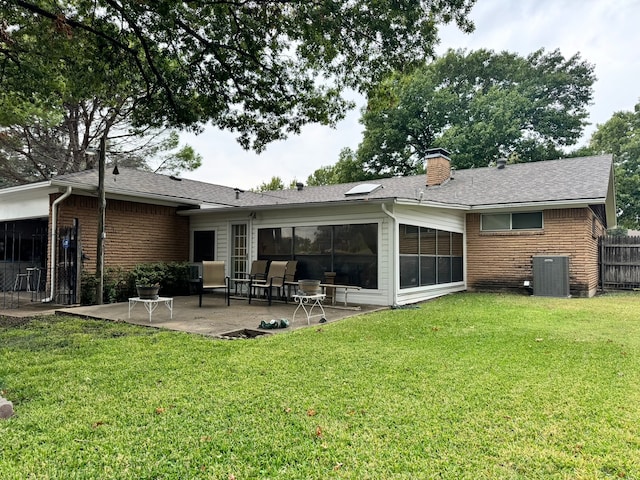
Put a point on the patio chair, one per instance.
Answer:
(258, 273)
(274, 280)
(290, 276)
(213, 278)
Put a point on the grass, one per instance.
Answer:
(468, 386)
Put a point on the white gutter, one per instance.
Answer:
(126, 194)
(394, 267)
(54, 234)
(553, 204)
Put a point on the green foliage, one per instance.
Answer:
(60, 94)
(467, 386)
(172, 277)
(120, 284)
(348, 169)
(184, 159)
(116, 284)
(274, 184)
(481, 106)
(620, 135)
(88, 289)
(262, 69)
(618, 232)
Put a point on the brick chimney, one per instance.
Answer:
(438, 166)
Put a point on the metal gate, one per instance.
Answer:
(23, 260)
(68, 263)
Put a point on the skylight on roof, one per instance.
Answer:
(363, 189)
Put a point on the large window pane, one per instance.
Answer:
(275, 243)
(457, 247)
(361, 270)
(313, 266)
(312, 240)
(457, 274)
(520, 221)
(351, 251)
(358, 239)
(427, 241)
(496, 221)
(409, 266)
(444, 243)
(409, 240)
(355, 252)
(444, 269)
(427, 270)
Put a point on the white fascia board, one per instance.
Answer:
(427, 203)
(128, 195)
(579, 203)
(26, 188)
(25, 201)
(285, 206)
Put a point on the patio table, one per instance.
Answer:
(308, 303)
(151, 304)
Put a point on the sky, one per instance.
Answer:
(603, 32)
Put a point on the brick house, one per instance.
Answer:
(402, 239)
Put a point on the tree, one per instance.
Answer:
(58, 99)
(260, 68)
(348, 169)
(39, 149)
(480, 105)
(620, 135)
(275, 183)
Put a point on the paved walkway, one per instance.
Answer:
(213, 319)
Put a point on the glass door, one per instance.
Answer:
(238, 250)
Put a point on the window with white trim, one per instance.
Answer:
(493, 222)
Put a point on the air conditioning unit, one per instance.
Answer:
(551, 275)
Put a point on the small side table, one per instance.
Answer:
(308, 303)
(151, 305)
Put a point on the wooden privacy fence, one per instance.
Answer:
(619, 262)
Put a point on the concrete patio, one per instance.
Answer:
(214, 318)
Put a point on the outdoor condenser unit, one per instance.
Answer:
(551, 276)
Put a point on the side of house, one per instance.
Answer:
(401, 240)
(503, 259)
(135, 232)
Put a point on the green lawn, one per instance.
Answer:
(467, 386)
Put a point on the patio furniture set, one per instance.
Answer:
(266, 280)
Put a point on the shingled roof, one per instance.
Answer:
(585, 180)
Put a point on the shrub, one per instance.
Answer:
(88, 286)
(120, 284)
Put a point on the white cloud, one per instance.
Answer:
(604, 33)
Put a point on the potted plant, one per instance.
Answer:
(147, 279)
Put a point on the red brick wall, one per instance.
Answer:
(135, 232)
(503, 260)
(438, 170)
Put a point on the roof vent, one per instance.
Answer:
(299, 186)
(238, 192)
(502, 162)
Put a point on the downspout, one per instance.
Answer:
(393, 260)
(54, 235)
